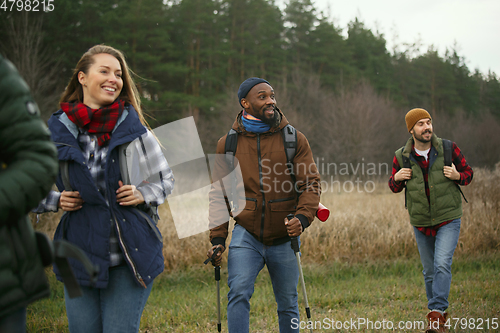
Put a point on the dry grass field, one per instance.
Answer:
(362, 226)
(361, 263)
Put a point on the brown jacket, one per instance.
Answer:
(269, 190)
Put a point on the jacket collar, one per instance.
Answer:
(436, 148)
(409, 145)
(73, 129)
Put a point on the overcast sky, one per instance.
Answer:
(474, 25)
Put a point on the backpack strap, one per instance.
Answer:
(63, 250)
(230, 152)
(63, 167)
(447, 147)
(150, 210)
(289, 134)
(231, 145)
(406, 164)
(406, 160)
(447, 151)
(122, 161)
(58, 252)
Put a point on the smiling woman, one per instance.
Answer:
(100, 111)
(103, 82)
(108, 55)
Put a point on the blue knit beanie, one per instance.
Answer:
(247, 85)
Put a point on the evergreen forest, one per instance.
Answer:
(341, 86)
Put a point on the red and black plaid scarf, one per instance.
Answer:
(97, 121)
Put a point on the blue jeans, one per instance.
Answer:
(14, 322)
(115, 309)
(247, 256)
(436, 254)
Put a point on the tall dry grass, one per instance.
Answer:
(369, 226)
(480, 231)
(362, 227)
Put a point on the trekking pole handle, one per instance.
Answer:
(294, 239)
(217, 249)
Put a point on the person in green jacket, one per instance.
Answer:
(28, 167)
(434, 204)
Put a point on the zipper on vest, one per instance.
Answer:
(127, 255)
(263, 215)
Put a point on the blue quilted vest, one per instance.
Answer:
(90, 227)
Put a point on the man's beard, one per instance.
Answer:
(270, 121)
(421, 137)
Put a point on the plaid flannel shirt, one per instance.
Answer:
(461, 165)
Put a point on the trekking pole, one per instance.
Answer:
(217, 280)
(296, 249)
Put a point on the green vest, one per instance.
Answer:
(445, 199)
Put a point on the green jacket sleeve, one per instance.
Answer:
(28, 158)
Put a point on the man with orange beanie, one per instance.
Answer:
(434, 203)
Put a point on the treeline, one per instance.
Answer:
(349, 93)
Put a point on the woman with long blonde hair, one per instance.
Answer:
(105, 217)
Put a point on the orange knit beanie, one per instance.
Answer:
(415, 115)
